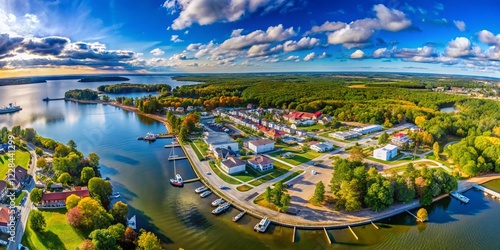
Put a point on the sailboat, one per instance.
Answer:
(178, 178)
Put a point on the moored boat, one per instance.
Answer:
(178, 182)
(261, 227)
(201, 189)
(115, 195)
(218, 202)
(205, 194)
(238, 216)
(223, 207)
(10, 109)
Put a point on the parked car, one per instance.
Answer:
(313, 172)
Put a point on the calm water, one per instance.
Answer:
(140, 172)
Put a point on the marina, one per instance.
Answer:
(221, 208)
(460, 197)
(178, 182)
(218, 202)
(201, 189)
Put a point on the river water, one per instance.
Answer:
(140, 172)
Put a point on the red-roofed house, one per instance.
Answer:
(296, 116)
(58, 199)
(401, 140)
(4, 219)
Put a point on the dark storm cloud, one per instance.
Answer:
(8, 45)
(52, 45)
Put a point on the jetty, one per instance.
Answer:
(486, 190)
(415, 216)
(191, 180)
(172, 145)
(460, 197)
(171, 158)
(328, 236)
(353, 233)
(47, 99)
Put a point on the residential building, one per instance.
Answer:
(260, 146)
(321, 147)
(325, 119)
(345, 135)
(3, 190)
(233, 165)
(222, 153)
(179, 109)
(261, 163)
(296, 116)
(401, 140)
(216, 140)
(386, 153)
(4, 219)
(58, 199)
(18, 177)
(301, 132)
(367, 129)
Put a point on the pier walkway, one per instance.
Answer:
(177, 158)
(486, 190)
(460, 197)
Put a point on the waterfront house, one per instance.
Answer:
(260, 146)
(4, 219)
(386, 153)
(233, 165)
(58, 199)
(18, 177)
(321, 147)
(3, 190)
(261, 163)
(367, 129)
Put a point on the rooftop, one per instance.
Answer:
(59, 196)
(260, 142)
(260, 160)
(232, 162)
(4, 216)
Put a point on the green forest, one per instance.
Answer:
(123, 88)
(82, 94)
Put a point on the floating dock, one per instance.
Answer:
(486, 190)
(177, 158)
(191, 180)
(414, 216)
(460, 197)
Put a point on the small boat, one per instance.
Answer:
(115, 195)
(10, 109)
(238, 216)
(150, 137)
(178, 182)
(131, 222)
(221, 208)
(217, 202)
(201, 189)
(261, 227)
(205, 194)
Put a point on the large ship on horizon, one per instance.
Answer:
(10, 109)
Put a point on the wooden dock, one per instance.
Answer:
(374, 225)
(192, 180)
(172, 145)
(418, 219)
(353, 233)
(294, 232)
(486, 190)
(177, 158)
(327, 236)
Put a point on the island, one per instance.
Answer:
(103, 79)
(124, 88)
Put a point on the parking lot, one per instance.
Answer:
(211, 125)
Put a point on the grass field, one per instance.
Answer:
(59, 234)
(202, 146)
(315, 127)
(20, 197)
(222, 175)
(417, 166)
(22, 159)
(299, 158)
(196, 151)
(279, 170)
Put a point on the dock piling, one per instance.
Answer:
(355, 236)
(294, 232)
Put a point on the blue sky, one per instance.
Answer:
(72, 37)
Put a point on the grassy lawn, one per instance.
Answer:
(299, 158)
(59, 234)
(419, 165)
(263, 203)
(431, 156)
(22, 159)
(198, 153)
(279, 170)
(293, 175)
(222, 175)
(202, 146)
(244, 188)
(20, 197)
(315, 127)
(244, 177)
(402, 159)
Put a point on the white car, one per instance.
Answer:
(313, 172)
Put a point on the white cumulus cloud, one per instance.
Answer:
(157, 52)
(272, 34)
(176, 39)
(460, 25)
(358, 54)
(304, 43)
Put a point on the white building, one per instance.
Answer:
(367, 129)
(216, 140)
(386, 153)
(345, 135)
(261, 163)
(260, 146)
(321, 147)
(233, 165)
